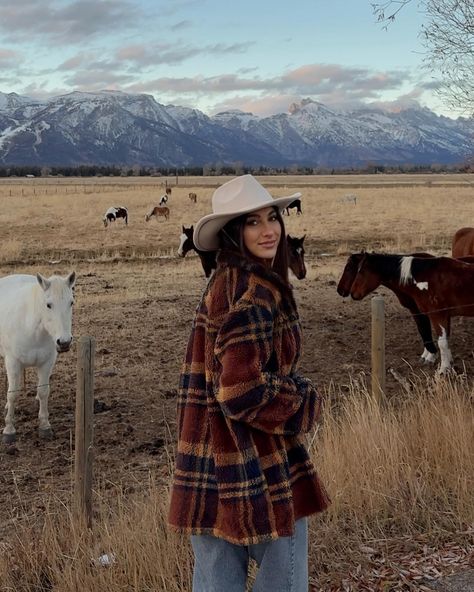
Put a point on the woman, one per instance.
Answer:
(244, 484)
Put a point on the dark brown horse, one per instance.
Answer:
(440, 287)
(208, 258)
(463, 243)
(388, 275)
(296, 204)
(296, 256)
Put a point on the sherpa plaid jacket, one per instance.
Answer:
(242, 470)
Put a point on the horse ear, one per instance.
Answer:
(43, 282)
(288, 236)
(303, 237)
(71, 279)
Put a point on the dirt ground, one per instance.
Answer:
(137, 299)
(140, 342)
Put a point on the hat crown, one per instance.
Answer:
(238, 194)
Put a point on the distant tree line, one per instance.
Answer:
(229, 169)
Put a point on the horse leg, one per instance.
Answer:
(424, 329)
(423, 325)
(42, 394)
(14, 374)
(445, 352)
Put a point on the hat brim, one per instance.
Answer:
(205, 235)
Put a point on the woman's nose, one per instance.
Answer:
(267, 228)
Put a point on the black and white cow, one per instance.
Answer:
(113, 213)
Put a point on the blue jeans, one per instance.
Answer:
(220, 566)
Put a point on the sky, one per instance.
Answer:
(259, 56)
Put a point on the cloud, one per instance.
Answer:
(144, 55)
(67, 22)
(180, 25)
(323, 81)
(261, 106)
(9, 58)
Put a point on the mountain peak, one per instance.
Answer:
(113, 127)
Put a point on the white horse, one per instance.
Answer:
(35, 324)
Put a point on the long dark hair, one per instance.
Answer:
(232, 239)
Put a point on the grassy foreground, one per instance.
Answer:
(398, 474)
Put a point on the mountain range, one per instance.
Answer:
(117, 128)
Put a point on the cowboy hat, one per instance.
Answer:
(241, 195)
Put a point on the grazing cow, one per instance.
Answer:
(113, 213)
(35, 325)
(163, 200)
(193, 197)
(158, 211)
(294, 204)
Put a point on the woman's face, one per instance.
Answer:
(262, 233)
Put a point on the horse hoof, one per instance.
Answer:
(9, 438)
(45, 433)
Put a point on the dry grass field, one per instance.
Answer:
(401, 478)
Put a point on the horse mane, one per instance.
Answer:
(405, 270)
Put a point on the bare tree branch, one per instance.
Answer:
(448, 37)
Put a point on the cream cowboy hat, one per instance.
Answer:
(240, 196)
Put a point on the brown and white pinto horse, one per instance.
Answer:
(441, 288)
(193, 197)
(463, 243)
(158, 211)
(208, 258)
(113, 213)
(168, 191)
(386, 268)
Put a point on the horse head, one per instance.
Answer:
(368, 276)
(349, 274)
(296, 256)
(56, 298)
(186, 243)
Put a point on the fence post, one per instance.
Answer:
(378, 348)
(84, 429)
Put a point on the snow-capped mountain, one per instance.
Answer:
(112, 127)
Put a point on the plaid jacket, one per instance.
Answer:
(242, 470)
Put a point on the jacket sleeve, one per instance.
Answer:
(246, 391)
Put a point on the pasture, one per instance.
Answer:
(137, 298)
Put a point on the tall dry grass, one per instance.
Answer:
(405, 468)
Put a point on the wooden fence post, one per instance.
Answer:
(84, 429)
(378, 348)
